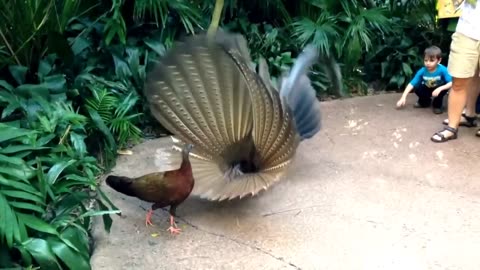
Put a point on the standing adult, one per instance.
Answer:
(463, 65)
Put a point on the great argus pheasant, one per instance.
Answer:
(246, 130)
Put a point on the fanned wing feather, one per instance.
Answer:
(207, 93)
(192, 93)
(298, 94)
(271, 122)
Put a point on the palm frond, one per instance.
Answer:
(189, 13)
(322, 32)
(103, 102)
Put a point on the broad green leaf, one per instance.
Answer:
(80, 179)
(156, 46)
(70, 202)
(47, 125)
(122, 70)
(80, 44)
(18, 73)
(37, 224)
(42, 253)
(6, 222)
(110, 34)
(26, 257)
(73, 260)
(407, 70)
(12, 160)
(100, 213)
(44, 67)
(28, 206)
(21, 186)
(23, 173)
(28, 90)
(7, 132)
(22, 230)
(103, 128)
(42, 183)
(55, 83)
(20, 148)
(62, 97)
(56, 170)
(107, 220)
(104, 197)
(6, 85)
(22, 195)
(7, 111)
(133, 58)
(78, 142)
(45, 140)
(78, 237)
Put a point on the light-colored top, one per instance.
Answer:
(469, 21)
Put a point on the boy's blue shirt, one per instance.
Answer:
(431, 80)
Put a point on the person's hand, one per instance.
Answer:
(401, 102)
(436, 92)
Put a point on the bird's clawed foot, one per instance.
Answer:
(148, 218)
(173, 229)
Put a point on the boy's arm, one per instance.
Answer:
(415, 81)
(444, 87)
(417, 78)
(407, 90)
(448, 79)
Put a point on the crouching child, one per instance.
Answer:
(430, 83)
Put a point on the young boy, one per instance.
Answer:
(432, 80)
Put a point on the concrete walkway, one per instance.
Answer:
(370, 191)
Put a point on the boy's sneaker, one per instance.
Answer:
(437, 110)
(418, 105)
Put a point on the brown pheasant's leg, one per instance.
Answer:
(148, 218)
(173, 229)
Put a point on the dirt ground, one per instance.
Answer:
(370, 191)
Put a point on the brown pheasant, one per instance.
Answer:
(169, 188)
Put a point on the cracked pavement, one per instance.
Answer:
(370, 191)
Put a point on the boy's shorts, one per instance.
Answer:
(464, 58)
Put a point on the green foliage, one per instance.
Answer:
(53, 122)
(47, 182)
(32, 29)
(115, 25)
(400, 58)
(115, 113)
(189, 14)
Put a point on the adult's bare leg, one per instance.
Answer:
(470, 111)
(457, 99)
(472, 96)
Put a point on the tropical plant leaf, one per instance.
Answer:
(42, 253)
(56, 170)
(19, 186)
(8, 132)
(6, 85)
(78, 142)
(19, 73)
(37, 224)
(73, 260)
